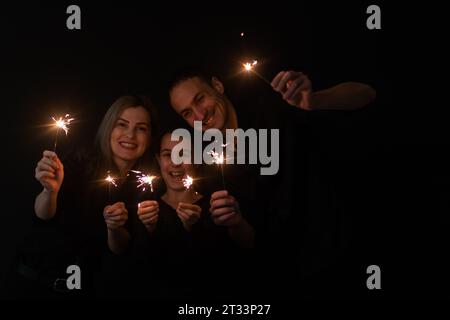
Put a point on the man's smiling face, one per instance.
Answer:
(196, 100)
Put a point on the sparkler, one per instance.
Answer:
(219, 159)
(61, 123)
(145, 180)
(250, 67)
(187, 182)
(111, 181)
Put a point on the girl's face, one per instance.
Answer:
(172, 174)
(130, 136)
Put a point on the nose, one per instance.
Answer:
(175, 166)
(200, 113)
(130, 132)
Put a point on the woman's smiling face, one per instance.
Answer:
(130, 136)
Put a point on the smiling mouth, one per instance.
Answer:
(127, 145)
(176, 174)
(208, 120)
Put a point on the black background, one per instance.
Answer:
(390, 158)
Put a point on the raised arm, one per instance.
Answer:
(50, 173)
(296, 89)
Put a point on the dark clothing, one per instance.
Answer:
(76, 235)
(300, 231)
(172, 263)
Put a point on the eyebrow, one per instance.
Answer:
(164, 150)
(129, 121)
(196, 95)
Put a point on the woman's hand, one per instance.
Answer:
(50, 172)
(189, 214)
(115, 215)
(148, 214)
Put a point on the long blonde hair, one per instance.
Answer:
(102, 139)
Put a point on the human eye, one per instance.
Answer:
(121, 124)
(186, 114)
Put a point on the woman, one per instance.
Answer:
(69, 228)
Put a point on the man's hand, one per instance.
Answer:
(225, 209)
(189, 214)
(295, 88)
(115, 215)
(148, 214)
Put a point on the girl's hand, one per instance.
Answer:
(189, 214)
(148, 213)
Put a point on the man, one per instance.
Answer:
(197, 97)
(279, 206)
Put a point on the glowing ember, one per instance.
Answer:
(187, 182)
(111, 180)
(248, 66)
(62, 123)
(145, 180)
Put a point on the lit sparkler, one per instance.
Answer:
(61, 123)
(219, 159)
(111, 181)
(187, 182)
(250, 67)
(145, 180)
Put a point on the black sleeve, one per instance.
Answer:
(71, 188)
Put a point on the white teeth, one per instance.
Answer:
(207, 120)
(176, 174)
(128, 145)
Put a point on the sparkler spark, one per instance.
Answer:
(145, 180)
(219, 159)
(216, 157)
(111, 180)
(62, 123)
(248, 66)
(187, 182)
